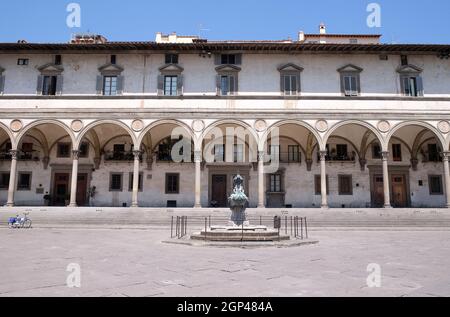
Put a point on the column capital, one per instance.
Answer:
(76, 154)
(446, 155)
(14, 154)
(385, 155)
(197, 156)
(137, 154)
(323, 155)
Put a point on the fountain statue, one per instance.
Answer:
(238, 203)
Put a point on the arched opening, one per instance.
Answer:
(44, 154)
(169, 173)
(5, 163)
(353, 155)
(416, 169)
(106, 164)
(229, 148)
(289, 166)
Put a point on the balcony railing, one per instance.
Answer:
(342, 157)
(120, 156)
(22, 156)
(289, 157)
(167, 157)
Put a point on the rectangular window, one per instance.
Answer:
(109, 85)
(4, 180)
(275, 183)
(238, 155)
(412, 86)
(172, 183)
(376, 151)
(24, 181)
(294, 153)
(115, 182)
(227, 85)
(228, 59)
(141, 182)
(84, 149)
(49, 85)
(63, 150)
(397, 152)
(58, 59)
(435, 182)
(219, 153)
(171, 58)
(23, 61)
(433, 153)
(118, 151)
(345, 185)
(404, 60)
(114, 59)
(170, 85)
(353, 41)
(342, 151)
(350, 85)
(290, 84)
(317, 185)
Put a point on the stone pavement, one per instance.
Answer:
(132, 262)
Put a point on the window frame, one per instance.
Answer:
(296, 153)
(58, 152)
(441, 185)
(2, 180)
(397, 147)
(28, 187)
(169, 191)
(111, 176)
(109, 91)
(350, 71)
(171, 58)
(174, 90)
(275, 182)
(341, 192)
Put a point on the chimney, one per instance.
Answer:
(158, 38)
(301, 36)
(322, 28)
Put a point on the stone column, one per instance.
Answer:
(323, 178)
(386, 182)
(198, 171)
(446, 156)
(261, 191)
(12, 177)
(73, 186)
(134, 198)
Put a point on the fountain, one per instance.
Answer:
(239, 228)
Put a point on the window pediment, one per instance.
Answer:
(110, 69)
(290, 67)
(51, 69)
(409, 69)
(350, 68)
(227, 69)
(171, 68)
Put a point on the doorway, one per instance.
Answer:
(378, 191)
(61, 189)
(399, 198)
(82, 189)
(219, 191)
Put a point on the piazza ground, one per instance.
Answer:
(132, 262)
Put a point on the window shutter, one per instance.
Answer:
(358, 84)
(234, 88)
(2, 84)
(299, 86)
(99, 86)
(343, 85)
(180, 85)
(120, 84)
(59, 84)
(238, 60)
(218, 81)
(40, 82)
(419, 82)
(354, 89)
(218, 59)
(404, 85)
(282, 79)
(160, 85)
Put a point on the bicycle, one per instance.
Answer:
(20, 222)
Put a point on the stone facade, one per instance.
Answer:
(325, 130)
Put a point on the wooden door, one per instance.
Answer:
(378, 191)
(82, 189)
(219, 191)
(61, 189)
(399, 198)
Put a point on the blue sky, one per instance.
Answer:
(403, 21)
